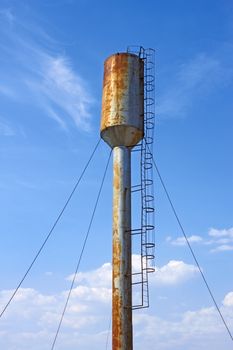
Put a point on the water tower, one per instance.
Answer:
(122, 128)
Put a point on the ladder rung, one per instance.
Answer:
(148, 227)
(149, 245)
(148, 209)
(136, 188)
(136, 231)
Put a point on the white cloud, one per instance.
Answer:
(99, 294)
(32, 318)
(100, 277)
(27, 294)
(173, 273)
(228, 300)
(57, 118)
(44, 78)
(220, 239)
(181, 241)
(222, 248)
(136, 262)
(63, 90)
(221, 233)
(199, 329)
(59, 90)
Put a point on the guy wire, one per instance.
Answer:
(190, 247)
(51, 230)
(82, 251)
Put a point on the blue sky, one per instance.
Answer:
(51, 68)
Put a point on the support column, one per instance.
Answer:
(121, 264)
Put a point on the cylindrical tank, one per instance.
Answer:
(123, 100)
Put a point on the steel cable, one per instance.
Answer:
(82, 251)
(108, 333)
(190, 247)
(51, 230)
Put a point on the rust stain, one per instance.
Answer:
(116, 331)
(116, 185)
(116, 169)
(121, 281)
(136, 135)
(114, 87)
(116, 263)
(117, 299)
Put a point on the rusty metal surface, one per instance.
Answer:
(121, 282)
(123, 100)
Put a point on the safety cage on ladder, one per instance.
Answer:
(145, 234)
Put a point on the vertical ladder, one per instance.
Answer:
(145, 147)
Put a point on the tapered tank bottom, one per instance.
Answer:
(121, 281)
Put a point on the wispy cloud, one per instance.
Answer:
(181, 241)
(6, 129)
(54, 115)
(226, 233)
(222, 248)
(220, 239)
(190, 81)
(43, 76)
(60, 91)
(7, 14)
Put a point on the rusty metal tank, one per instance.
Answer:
(123, 100)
